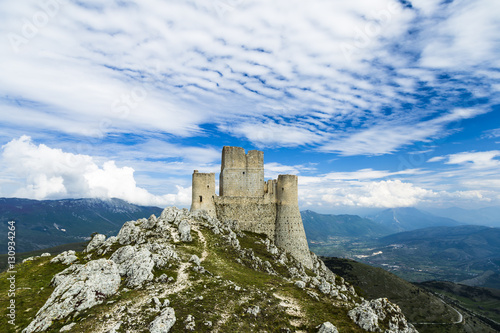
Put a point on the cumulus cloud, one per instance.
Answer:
(382, 194)
(385, 193)
(47, 173)
(385, 189)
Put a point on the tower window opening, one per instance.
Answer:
(208, 186)
(201, 198)
(243, 172)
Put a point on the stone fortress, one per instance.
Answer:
(264, 207)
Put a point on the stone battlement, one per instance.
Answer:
(269, 207)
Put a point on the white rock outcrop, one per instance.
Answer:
(327, 327)
(300, 284)
(96, 242)
(253, 310)
(65, 258)
(131, 233)
(185, 231)
(195, 259)
(164, 322)
(136, 264)
(67, 328)
(370, 315)
(78, 287)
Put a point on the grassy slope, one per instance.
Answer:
(53, 250)
(222, 303)
(417, 304)
(483, 301)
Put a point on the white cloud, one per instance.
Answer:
(466, 37)
(437, 159)
(385, 193)
(43, 173)
(274, 169)
(272, 134)
(479, 160)
(474, 160)
(388, 137)
(494, 133)
(233, 64)
(362, 188)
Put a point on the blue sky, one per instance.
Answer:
(373, 103)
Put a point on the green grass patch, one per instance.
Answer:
(32, 291)
(53, 251)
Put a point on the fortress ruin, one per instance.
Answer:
(264, 207)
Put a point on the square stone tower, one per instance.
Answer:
(241, 175)
(263, 207)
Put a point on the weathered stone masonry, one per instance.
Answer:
(264, 207)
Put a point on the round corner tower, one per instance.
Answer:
(290, 234)
(203, 192)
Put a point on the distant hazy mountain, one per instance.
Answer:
(478, 241)
(408, 218)
(463, 251)
(488, 216)
(322, 226)
(42, 224)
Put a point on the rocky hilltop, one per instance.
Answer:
(186, 271)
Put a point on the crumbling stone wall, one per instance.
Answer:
(253, 214)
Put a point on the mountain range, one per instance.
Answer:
(487, 216)
(469, 254)
(321, 227)
(47, 223)
(409, 218)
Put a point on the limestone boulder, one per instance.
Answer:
(164, 322)
(149, 223)
(195, 259)
(78, 288)
(130, 233)
(300, 284)
(327, 327)
(65, 258)
(253, 310)
(185, 231)
(135, 264)
(96, 242)
(370, 314)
